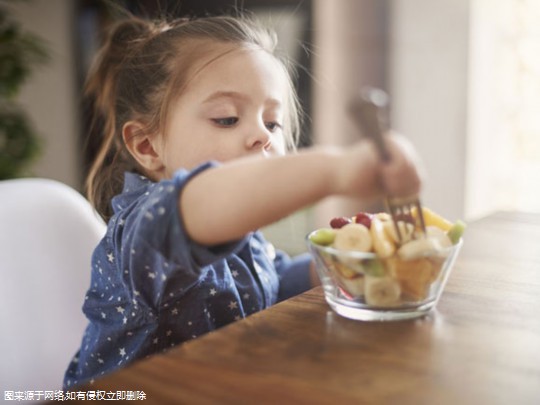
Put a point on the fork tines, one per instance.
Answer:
(400, 210)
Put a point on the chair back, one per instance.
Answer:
(48, 232)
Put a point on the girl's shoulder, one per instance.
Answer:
(142, 191)
(146, 216)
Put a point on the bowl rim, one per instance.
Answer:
(368, 255)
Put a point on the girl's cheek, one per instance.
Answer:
(278, 146)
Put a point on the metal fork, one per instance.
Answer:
(370, 112)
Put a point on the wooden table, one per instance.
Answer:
(481, 345)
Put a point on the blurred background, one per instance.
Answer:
(463, 77)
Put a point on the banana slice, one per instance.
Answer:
(353, 237)
(382, 244)
(382, 291)
(383, 216)
(418, 248)
(441, 236)
(345, 271)
(406, 230)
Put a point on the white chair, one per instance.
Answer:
(47, 235)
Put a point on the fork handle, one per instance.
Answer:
(367, 111)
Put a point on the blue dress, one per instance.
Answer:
(153, 288)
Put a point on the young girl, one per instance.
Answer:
(197, 116)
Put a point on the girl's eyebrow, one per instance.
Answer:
(237, 96)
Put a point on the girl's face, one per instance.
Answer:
(232, 107)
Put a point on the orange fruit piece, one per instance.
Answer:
(414, 276)
(437, 263)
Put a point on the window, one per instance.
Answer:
(504, 109)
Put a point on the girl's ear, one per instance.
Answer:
(141, 146)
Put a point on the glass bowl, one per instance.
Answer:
(362, 286)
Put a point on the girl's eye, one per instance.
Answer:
(225, 122)
(273, 126)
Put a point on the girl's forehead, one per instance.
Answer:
(235, 65)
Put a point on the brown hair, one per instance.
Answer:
(138, 73)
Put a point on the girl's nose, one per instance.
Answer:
(258, 139)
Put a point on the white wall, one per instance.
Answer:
(428, 72)
(349, 52)
(504, 94)
(49, 96)
(422, 60)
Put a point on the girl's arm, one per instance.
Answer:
(231, 200)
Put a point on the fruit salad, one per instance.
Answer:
(369, 263)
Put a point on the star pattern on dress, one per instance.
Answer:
(225, 288)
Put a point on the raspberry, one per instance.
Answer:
(339, 222)
(363, 218)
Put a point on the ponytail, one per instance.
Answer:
(105, 177)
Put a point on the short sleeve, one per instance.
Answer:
(158, 256)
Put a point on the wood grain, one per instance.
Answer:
(480, 346)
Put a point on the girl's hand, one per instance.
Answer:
(402, 175)
(363, 174)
